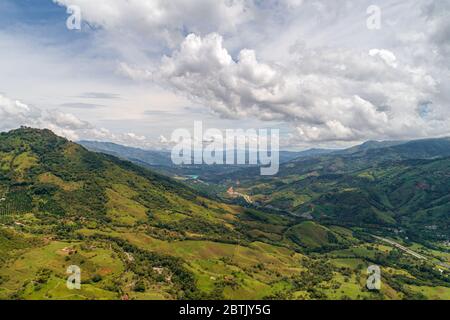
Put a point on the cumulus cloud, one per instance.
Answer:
(14, 114)
(161, 19)
(205, 70)
(327, 94)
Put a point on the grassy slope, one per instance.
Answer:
(408, 194)
(139, 235)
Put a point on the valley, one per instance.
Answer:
(309, 233)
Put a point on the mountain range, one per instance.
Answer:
(309, 233)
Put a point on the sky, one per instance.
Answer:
(326, 73)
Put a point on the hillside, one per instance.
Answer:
(148, 157)
(376, 185)
(138, 235)
(412, 194)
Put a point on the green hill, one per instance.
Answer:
(312, 235)
(56, 179)
(389, 185)
(138, 235)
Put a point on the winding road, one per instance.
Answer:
(403, 248)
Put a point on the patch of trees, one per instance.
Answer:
(144, 262)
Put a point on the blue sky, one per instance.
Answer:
(31, 12)
(139, 69)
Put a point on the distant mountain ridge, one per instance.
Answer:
(162, 157)
(413, 149)
(160, 160)
(150, 157)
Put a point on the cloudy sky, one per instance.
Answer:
(320, 71)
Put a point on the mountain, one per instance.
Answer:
(412, 194)
(368, 145)
(377, 184)
(286, 156)
(161, 160)
(136, 234)
(417, 149)
(355, 158)
(148, 157)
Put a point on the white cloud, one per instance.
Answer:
(66, 120)
(387, 56)
(14, 114)
(134, 73)
(205, 70)
(164, 20)
(327, 94)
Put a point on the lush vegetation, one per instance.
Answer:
(136, 234)
(402, 186)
